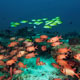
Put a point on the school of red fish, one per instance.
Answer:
(27, 49)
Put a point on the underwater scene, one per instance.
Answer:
(39, 40)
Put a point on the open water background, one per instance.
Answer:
(17, 10)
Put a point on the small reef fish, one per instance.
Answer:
(63, 50)
(41, 39)
(14, 24)
(38, 40)
(31, 48)
(61, 56)
(34, 27)
(39, 20)
(48, 23)
(2, 57)
(13, 52)
(12, 44)
(30, 23)
(58, 22)
(3, 50)
(2, 63)
(21, 65)
(11, 72)
(44, 37)
(53, 24)
(54, 39)
(57, 79)
(30, 55)
(37, 23)
(68, 71)
(63, 63)
(56, 43)
(18, 72)
(47, 26)
(34, 20)
(13, 38)
(29, 40)
(23, 21)
(10, 62)
(43, 48)
(55, 65)
(38, 62)
(45, 19)
(15, 58)
(27, 43)
(20, 39)
(21, 53)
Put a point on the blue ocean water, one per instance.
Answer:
(16, 10)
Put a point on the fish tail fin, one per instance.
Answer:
(60, 37)
(77, 75)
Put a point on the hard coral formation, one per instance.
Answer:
(74, 41)
(36, 58)
(71, 35)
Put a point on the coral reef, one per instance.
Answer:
(38, 56)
